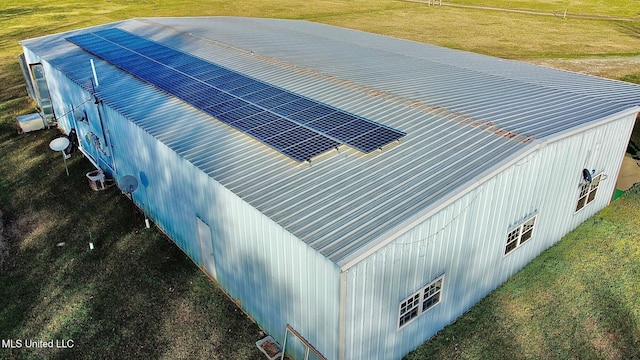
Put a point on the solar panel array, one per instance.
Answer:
(298, 127)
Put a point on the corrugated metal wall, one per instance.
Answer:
(466, 241)
(275, 277)
(66, 97)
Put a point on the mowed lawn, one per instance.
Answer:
(613, 8)
(136, 295)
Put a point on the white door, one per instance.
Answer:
(206, 247)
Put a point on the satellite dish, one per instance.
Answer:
(128, 184)
(586, 175)
(59, 144)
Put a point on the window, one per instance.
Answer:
(518, 236)
(588, 192)
(409, 309)
(420, 301)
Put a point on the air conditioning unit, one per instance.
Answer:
(29, 122)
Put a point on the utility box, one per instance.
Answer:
(29, 122)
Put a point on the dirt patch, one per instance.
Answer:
(28, 227)
(629, 173)
(21, 231)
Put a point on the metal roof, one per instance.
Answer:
(466, 116)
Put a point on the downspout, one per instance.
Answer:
(342, 316)
(99, 104)
(107, 142)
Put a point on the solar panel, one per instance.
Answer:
(228, 106)
(294, 106)
(281, 99)
(308, 147)
(367, 141)
(263, 94)
(276, 127)
(298, 127)
(293, 142)
(255, 120)
(327, 123)
(238, 113)
(244, 91)
(309, 114)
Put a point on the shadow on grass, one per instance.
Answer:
(620, 322)
(123, 299)
(634, 143)
(12, 82)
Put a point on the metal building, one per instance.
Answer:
(365, 252)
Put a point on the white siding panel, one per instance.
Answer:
(276, 278)
(466, 240)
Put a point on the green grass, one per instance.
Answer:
(617, 8)
(137, 295)
(513, 36)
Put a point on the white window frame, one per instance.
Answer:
(588, 192)
(420, 301)
(520, 234)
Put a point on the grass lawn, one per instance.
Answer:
(615, 8)
(137, 295)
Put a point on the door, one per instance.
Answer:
(42, 94)
(206, 248)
